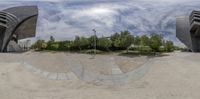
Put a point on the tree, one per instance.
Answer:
(84, 43)
(52, 39)
(104, 44)
(114, 37)
(137, 40)
(115, 41)
(50, 42)
(40, 45)
(122, 41)
(169, 46)
(155, 42)
(54, 46)
(91, 40)
(144, 40)
(126, 39)
(80, 43)
(76, 43)
(64, 45)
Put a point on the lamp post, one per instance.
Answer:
(95, 42)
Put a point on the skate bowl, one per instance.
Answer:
(101, 70)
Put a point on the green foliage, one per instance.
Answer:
(91, 40)
(122, 41)
(76, 43)
(162, 49)
(137, 40)
(40, 45)
(52, 39)
(141, 49)
(145, 49)
(50, 42)
(155, 42)
(144, 40)
(114, 37)
(64, 45)
(169, 46)
(54, 46)
(80, 43)
(104, 44)
(118, 41)
(84, 43)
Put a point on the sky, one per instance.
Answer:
(64, 19)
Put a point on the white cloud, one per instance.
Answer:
(65, 19)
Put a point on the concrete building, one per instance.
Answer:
(17, 23)
(188, 30)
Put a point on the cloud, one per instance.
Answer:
(65, 19)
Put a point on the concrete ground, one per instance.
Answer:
(174, 76)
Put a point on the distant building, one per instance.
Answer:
(17, 23)
(25, 45)
(188, 30)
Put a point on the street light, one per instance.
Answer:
(95, 42)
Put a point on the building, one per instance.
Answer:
(188, 30)
(17, 23)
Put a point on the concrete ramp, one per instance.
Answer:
(13, 47)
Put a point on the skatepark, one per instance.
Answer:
(49, 75)
(45, 74)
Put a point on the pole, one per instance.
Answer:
(95, 42)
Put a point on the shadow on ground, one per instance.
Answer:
(136, 54)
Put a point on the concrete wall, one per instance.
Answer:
(183, 30)
(20, 21)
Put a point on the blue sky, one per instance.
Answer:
(64, 19)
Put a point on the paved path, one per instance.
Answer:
(115, 67)
(169, 77)
(77, 70)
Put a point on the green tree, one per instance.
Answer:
(126, 39)
(52, 39)
(137, 40)
(84, 43)
(80, 43)
(64, 45)
(104, 44)
(91, 40)
(122, 41)
(169, 46)
(40, 45)
(50, 42)
(114, 37)
(54, 46)
(144, 40)
(155, 42)
(76, 43)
